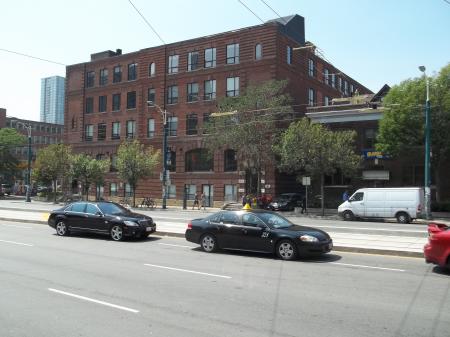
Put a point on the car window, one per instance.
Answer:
(275, 220)
(358, 196)
(229, 218)
(78, 207)
(112, 209)
(250, 219)
(91, 209)
(214, 217)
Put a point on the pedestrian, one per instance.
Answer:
(244, 200)
(203, 201)
(196, 201)
(345, 196)
(303, 205)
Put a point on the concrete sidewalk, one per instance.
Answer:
(38, 212)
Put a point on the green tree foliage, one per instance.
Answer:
(315, 150)
(402, 128)
(89, 171)
(9, 139)
(248, 124)
(52, 163)
(135, 162)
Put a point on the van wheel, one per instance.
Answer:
(348, 215)
(403, 217)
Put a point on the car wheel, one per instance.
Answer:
(402, 217)
(208, 243)
(116, 233)
(286, 250)
(348, 215)
(61, 228)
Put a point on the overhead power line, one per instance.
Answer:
(31, 56)
(243, 4)
(265, 3)
(148, 23)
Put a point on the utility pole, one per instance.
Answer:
(28, 175)
(427, 148)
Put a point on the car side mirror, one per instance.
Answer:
(350, 200)
(99, 214)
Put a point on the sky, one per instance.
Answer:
(375, 42)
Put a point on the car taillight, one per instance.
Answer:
(189, 225)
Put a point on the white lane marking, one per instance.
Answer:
(375, 229)
(186, 270)
(93, 300)
(369, 267)
(170, 244)
(17, 243)
(16, 226)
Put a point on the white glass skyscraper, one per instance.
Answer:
(52, 99)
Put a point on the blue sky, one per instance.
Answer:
(375, 42)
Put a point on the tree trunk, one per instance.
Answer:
(134, 195)
(54, 190)
(322, 199)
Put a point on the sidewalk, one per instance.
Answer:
(168, 225)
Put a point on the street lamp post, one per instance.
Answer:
(427, 148)
(165, 156)
(28, 176)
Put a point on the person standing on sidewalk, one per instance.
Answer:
(203, 201)
(196, 201)
(303, 205)
(345, 196)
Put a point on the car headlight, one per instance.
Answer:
(308, 238)
(130, 223)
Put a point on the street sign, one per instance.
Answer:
(263, 181)
(241, 190)
(241, 181)
(306, 181)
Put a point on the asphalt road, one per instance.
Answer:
(91, 286)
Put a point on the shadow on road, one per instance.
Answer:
(95, 236)
(441, 271)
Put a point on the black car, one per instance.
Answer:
(101, 217)
(259, 231)
(286, 202)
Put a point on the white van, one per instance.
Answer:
(403, 203)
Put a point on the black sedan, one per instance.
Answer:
(286, 202)
(258, 231)
(101, 217)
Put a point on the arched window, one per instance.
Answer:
(258, 51)
(198, 160)
(151, 69)
(230, 162)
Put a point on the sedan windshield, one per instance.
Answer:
(113, 209)
(274, 220)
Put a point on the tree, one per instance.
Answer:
(134, 162)
(9, 139)
(52, 163)
(315, 150)
(402, 127)
(89, 171)
(247, 124)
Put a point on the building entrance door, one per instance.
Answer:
(208, 191)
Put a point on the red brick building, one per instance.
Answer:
(107, 100)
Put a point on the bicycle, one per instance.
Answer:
(148, 202)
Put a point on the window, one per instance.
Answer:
(191, 124)
(78, 207)
(333, 80)
(89, 132)
(150, 128)
(311, 68)
(357, 196)
(191, 190)
(311, 97)
(233, 53)
(252, 220)
(198, 160)
(117, 74)
(210, 90)
(102, 103)
(151, 69)
(172, 94)
(132, 71)
(173, 64)
(172, 161)
(131, 129)
(339, 84)
(89, 105)
(205, 120)
(91, 209)
(101, 131)
(232, 86)
(230, 161)
(113, 189)
(346, 88)
(351, 89)
(113, 166)
(326, 76)
(131, 100)
(258, 51)
(151, 93)
(90, 79)
(210, 58)
(192, 92)
(230, 193)
(171, 192)
(172, 125)
(103, 77)
(192, 60)
(370, 136)
(289, 55)
(229, 218)
(116, 102)
(128, 190)
(326, 100)
(115, 131)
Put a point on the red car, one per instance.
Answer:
(437, 250)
